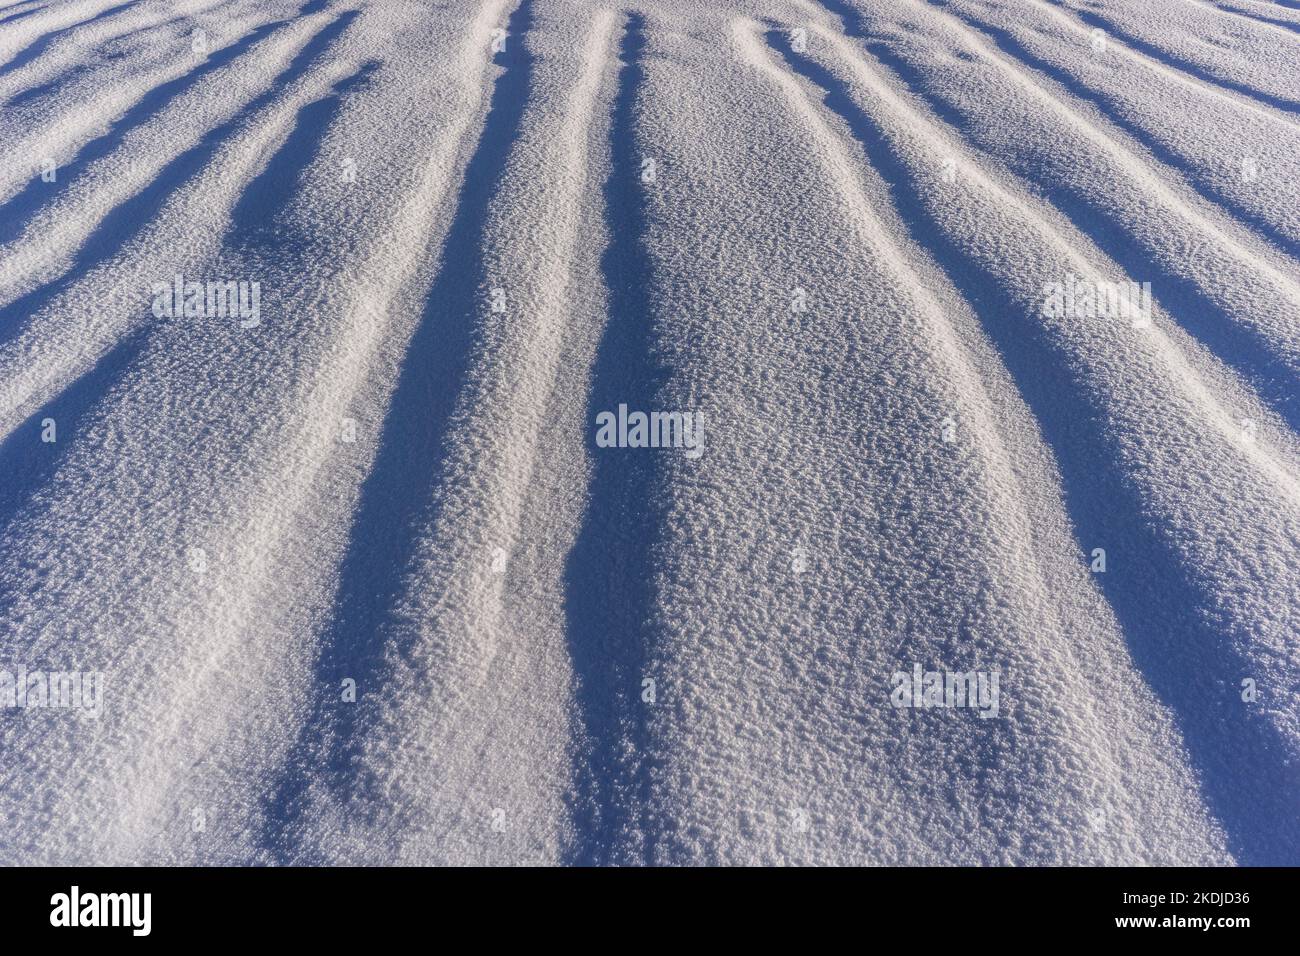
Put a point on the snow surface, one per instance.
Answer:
(389, 481)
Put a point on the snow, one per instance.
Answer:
(362, 586)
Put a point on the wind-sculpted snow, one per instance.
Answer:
(564, 432)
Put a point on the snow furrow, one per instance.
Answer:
(1241, 166)
(1154, 48)
(1282, 27)
(9, 17)
(28, 41)
(452, 644)
(78, 136)
(1092, 380)
(1000, 484)
(1228, 291)
(87, 229)
(66, 55)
